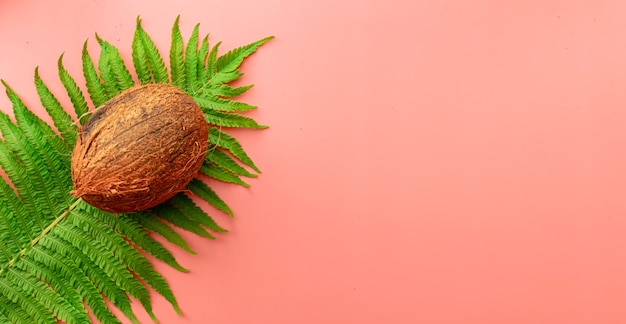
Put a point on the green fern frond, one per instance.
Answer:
(191, 62)
(221, 159)
(124, 252)
(106, 260)
(177, 59)
(83, 266)
(221, 139)
(31, 180)
(140, 61)
(73, 91)
(23, 228)
(95, 88)
(232, 60)
(87, 288)
(174, 216)
(215, 172)
(61, 307)
(11, 234)
(60, 284)
(213, 102)
(205, 192)
(221, 119)
(150, 54)
(203, 53)
(212, 60)
(189, 208)
(13, 313)
(111, 60)
(23, 184)
(223, 77)
(33, 307)
(52, 151)
(154, 224)
(133, 232)
(109, 80)
(226, 91)
(61, 119)
(62, 259)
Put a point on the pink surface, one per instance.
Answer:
(427, 161)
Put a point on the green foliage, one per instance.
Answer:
(154, 224)
(222, 160)
(221, 174)
(223, 119)
(62, 258)
(112, 68)
(92, 80)
(148, 62)
(74, 92)
(191, 61)
(177, 60)
(205, 192)
(224, 141)
(203, 53)
(62, 120)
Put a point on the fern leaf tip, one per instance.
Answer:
(60, 61)
(138, 27)
(152, 316)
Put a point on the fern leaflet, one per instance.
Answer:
(177, 60)
(191, 61)
(73, 91)
(223, 160)
(94, 84)
(62, 120)
(221, 139)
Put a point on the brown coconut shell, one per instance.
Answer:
(139, 149)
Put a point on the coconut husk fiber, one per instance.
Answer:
(139, 149)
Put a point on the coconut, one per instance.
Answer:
(139, 149)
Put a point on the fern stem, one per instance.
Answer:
(42, 234)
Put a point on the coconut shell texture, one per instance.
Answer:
(139, 149)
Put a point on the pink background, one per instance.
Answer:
(427, 162)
